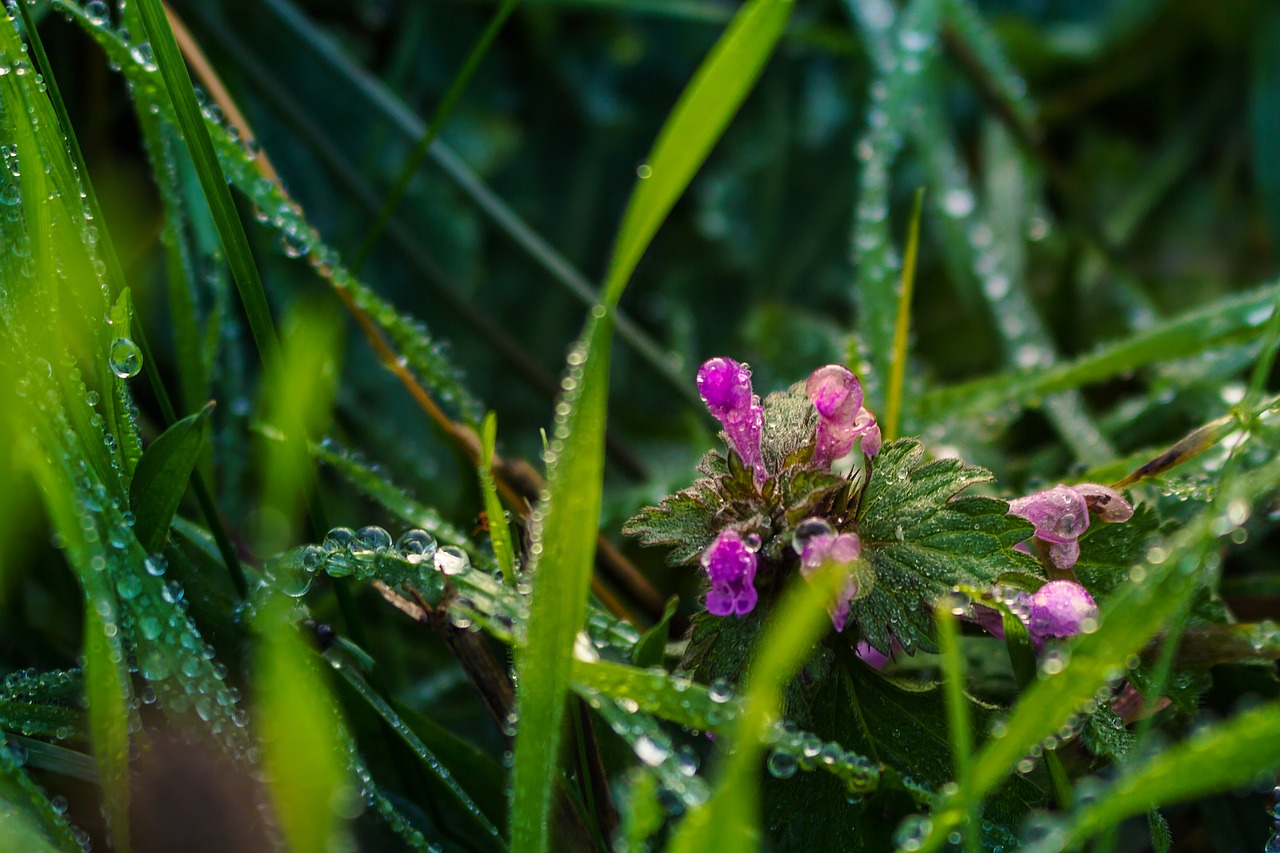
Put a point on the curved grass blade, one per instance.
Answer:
(1214, 759)
(565, 532)
(161, 478)
(1226, 322)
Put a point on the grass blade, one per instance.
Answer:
(564, 548)
(235, 243)
(303, 742)
(107, 692)
(902, 328)
(499, 530)
(442, 113)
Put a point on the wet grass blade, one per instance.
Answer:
(161, 477)
(959, 722)
(235, 243)
(1226, 322)
(499, 530)
(565, 534)
(107, 692)
(425, 755)
(1218, 758)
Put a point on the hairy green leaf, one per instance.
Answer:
(922, 540)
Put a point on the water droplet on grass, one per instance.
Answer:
(125, 358)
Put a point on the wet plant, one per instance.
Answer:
(272, 577)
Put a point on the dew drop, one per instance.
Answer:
(125, 358)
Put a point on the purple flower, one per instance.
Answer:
(1061, 609)
(837, 396)
(731, 568)
(1061, 514)
(838, 549)
(725, 386)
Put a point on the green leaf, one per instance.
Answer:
(922, 540)
(109, 693)
(161, 478)
(651, 649)
(1216, 758)
(685, 521)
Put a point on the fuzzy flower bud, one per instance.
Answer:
(725, 386)
(837, 396)
(731, 568)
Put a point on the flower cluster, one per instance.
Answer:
(1061, 514)
(836, 395)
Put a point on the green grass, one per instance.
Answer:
(1048, 253)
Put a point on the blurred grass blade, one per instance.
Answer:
(235, 243)
(566, 534)
(730, 819)
(902, 328)
(499, 530)
(107, 692)
(302, 741)
(28, 821)
(1226, 322)
(1217, 758)
(436, 124)
(696, 122)
(161, 478)
(651, 649)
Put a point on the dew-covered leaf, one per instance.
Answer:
(922, 540)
